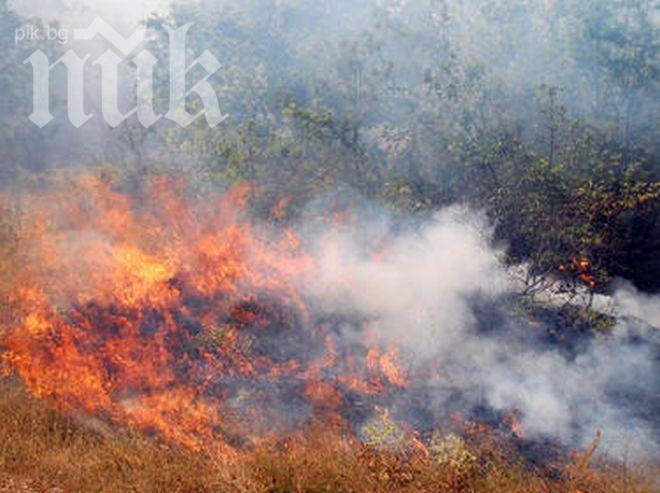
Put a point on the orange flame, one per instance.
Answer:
(156, 312)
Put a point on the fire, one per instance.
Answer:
(178, 316)
(581, 268)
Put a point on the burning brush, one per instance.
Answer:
(195, 329)
(185, 318)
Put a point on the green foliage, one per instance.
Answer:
(382, 433)
(451, 451)
(542, 113)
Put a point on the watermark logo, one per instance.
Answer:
(110, 63)
(31, 32)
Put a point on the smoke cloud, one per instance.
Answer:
(425, 289)
(631, 302)
(123, 14)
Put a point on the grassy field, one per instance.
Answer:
(43, 451)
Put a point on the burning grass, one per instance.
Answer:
(166, 343)
(43, 450)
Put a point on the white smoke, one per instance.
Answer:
(122, 14)
(628, 301)
(417, 286)
(419, 290)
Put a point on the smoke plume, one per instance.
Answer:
(425, 290)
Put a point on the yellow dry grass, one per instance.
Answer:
(43, 451)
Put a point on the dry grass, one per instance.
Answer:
(41, 450)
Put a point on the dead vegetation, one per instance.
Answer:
(43, 451)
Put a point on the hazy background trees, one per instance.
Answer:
(543, 113)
